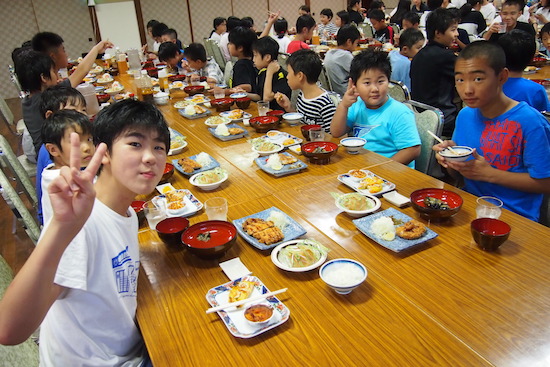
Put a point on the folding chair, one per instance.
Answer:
(398, 91)
(324, 80)
(216, 53)
(20, 174)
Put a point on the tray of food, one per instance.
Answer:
(177, 203)
(236, 115)
(285, 139)
(280, 164)
(366, 182)
(228, 132)
(394, 230)
(188, 166)
(234, 318)
(268, 228)
(194, 111)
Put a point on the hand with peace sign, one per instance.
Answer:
(351, 95)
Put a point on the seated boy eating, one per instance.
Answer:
(387, 125)
(511, 139)
(56, 135)
(271, 76)
(173, 56)
(304, 68)
(201, 65)
(382, 33)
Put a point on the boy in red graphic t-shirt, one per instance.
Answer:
(511, 139)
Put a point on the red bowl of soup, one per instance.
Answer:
(319, 152)
(263, 124)
(433, 203)
(168, 172)
(210, 239)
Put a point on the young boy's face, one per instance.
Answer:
(449, 37)
(196, 64)
(407, 24)
(351, 45)
(173, 61)
(87, 148)
(60, 57)
(136, 160)
(338, 21)
(546, 40)
(233, 51)
(324, 19)
(372, 87)
(167, 38)
(411, 52)
(477, 83)
(260, 61)
(510, 14)
(293, 79)
(378, 24)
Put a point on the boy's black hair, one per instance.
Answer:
(409, 37)
(30, 66)
(168, 50)
(280, 27)
(46, 42)
(344, 17)
(247, 22)
(232, 23)
(307, 62)
(439, 20)
(351, 3)
(305, 8)
(519, 3)
(490, 51)
(19, 51)
(53, 129)
(57, 97)
(158, 29)
(412, 17)
(377, 4)
(195, 51)
(519, 48)
(347, 32)
(327, 12)
(377, 14)
(125, 115)
(367, 60)
(243, 37)
(545, 29)
(170, 32)
(304, 21)
(434, 4)
(152, 23)
(467, 8)
(217, 21)
(267, 46)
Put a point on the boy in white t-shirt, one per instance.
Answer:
(81, 280)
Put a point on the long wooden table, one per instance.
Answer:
(444, 303)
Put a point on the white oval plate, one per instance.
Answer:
(280, 265)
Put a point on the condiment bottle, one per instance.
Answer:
(121, 62)
(147, 93)
(163, 79)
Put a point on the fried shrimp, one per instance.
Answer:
(411, 230)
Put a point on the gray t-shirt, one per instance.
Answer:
(337, 63)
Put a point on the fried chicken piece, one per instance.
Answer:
(411, 230)
(235, 131)
(256, 225)
(285, 159)
(269, 235)
(188, 165)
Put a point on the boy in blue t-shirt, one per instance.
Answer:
(511, 139)
(410, 42)
(387, 125)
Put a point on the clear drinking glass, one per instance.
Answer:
(219, 93)
(263, 108)
(153, 214)
(216, 208)
(316, 135)
(488, 207)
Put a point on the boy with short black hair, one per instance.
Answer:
(544, 35)
(173, 56)
(511, 139)
(510, 11)
(271, 76)
(410, 42)
(519, 48)
(81, 280)
(244, 75)
(432, 69)
(326, 28)
(305, 25)
(170, 35)
(411, 20)
(382, 32)
(195, 54)
(56, 135)
(338, 60)
(304, 68)
(387, 125)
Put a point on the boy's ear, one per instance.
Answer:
(503, 76)
(48, 113)
(53, 149)
(267, 58)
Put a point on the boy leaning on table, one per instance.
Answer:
(81, 280)
(368, 112)
(511, 139)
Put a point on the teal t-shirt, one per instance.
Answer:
(387, 129)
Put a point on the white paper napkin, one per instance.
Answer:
(234, 268)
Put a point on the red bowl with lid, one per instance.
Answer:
(450, 198)
(222, 104)
(319, 152)
(210, 239)
(263, 124)
(277, 113)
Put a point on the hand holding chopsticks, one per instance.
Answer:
(441, 141)
(242, 302)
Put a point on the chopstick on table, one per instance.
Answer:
(242, 302)
(441, 141)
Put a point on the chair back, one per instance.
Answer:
(396, 28)
(208, 47)
(426, 118)
(8, 159)
(335, 97)
(216, 52)
(228, 73)
(366, 29)
(324, 80)
(282, 59)
(398, 91)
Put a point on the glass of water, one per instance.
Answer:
(153, 214)
(488, 207)
(263, 108)
(216, 208)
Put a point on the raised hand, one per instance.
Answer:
(283, 101)
(72, 194)
(273, 67)
(351, 95)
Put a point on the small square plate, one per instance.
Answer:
(212, 165)
(286, 170)
(349, 181)
(212, 131)
(398, 244)
(195, 116)
(292, 231)
(283, 137)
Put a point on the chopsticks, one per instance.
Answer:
(441, 141)
(242, 302)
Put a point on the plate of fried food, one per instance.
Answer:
(235, 115)
(177, 203)
(280, 164)
(394, 230)
(366, 182)
(285, 139)
(228, 132)
(197, 99)
(234, 318)
(188, 166)
(194, 111)
(268, 228)
(177, 142)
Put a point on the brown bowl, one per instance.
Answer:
(263, 124)
(489, 233)
(194, 89)
(222, 104)
(311, 150)
(243, 103)
(171, 229)
(168, 172)
(307, 128)
(277, 113)
(152, 72)
(176, 78)
(538, 61)
(103, 98)
(138, 205)
(210, 239)
(451, 198)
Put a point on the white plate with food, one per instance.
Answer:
(268, 228)
(201, 162)
(197, 99)
(182, 104)
(177, 85)
(194, 112)
(366, 182)
(238, 95)
(285, 139)
(356, 204)
(530, 70)
(282, 165)
(299, 255)
(214, 121)
(236, 115)
(177, 142)
(264, 146)
(188, 204)
(233, 317)
(209, 180)
(394, 230)
(228, 132)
